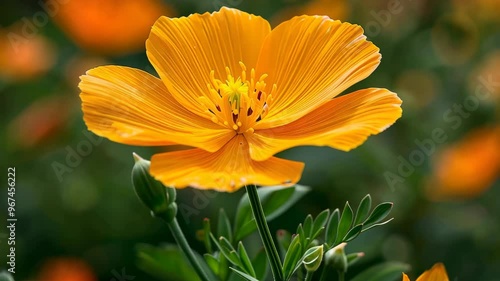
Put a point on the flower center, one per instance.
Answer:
(237, 103)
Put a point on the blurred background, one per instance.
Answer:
(79, 219)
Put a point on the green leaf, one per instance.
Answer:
(308, 226)
(363, 209)
(292, 257)
(353, 258)
(223, 267)
(275, 201)
(353, 233)
(229, 252)
(261, 265)
(206, 235)
(319, 223)
(213, 263)
(244, 275)
(379, 213)
(165, 263)
(377, 224)
(284, 238)
(345, 223)
(331, 228)
(245, 260)
(224, 226)
(302, 235)
(388, 271)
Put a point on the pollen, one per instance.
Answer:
(237, 102)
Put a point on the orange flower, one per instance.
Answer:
(487, 69)
(39, 122)
(66, 269)
(240, 93)
(23, 58)
(468, 168)
(109, 26)
(484, 10)
(436, 273)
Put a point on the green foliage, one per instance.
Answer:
(244, 275)
(347, 227)
(165, 263)
(363, 209)
(388, 271)
(379, 213)
(292, 258)
(260, 265)
(275, 201)
(229, 260)
(224, 226)
(344, 224)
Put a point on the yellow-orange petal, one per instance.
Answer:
(436, 273)
(185, 50)
(405, 277)
(312, 59)
(342, 123)
(228, 169)
(130, 106)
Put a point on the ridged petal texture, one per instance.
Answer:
(238, 93)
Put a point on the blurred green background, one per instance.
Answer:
(79, 219)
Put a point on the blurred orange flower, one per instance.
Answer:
(240, 92)
(66, 269)
(39, 122)
(436, 273)
(455, 38)
(111, 27)
(23, 58)
(485, 10)
(487, 70)
(469, 167)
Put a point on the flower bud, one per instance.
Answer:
(336, 258)
(158, 198)
(354, 257)
(313, 258)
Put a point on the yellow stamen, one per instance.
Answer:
(237, 103)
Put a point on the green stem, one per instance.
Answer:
(341, 276)
(309, 275)
(186, 249)
(323, 273)
(265, 234)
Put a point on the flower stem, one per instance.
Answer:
(309, 275)
(341, 276)
(265, 234)
(323, 273)
(186, 249)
